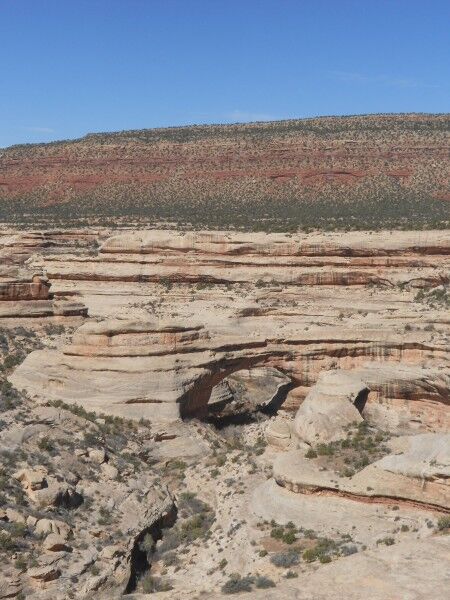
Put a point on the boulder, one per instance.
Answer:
(329, 408)
(44, 526)
(14, 516)
(55, 543)
(110, 552)
(44, 573)
(58, 494)
(97, 455)
(278, 432)
(109, 471)
(32, 479)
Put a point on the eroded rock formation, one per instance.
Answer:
(31, 297)
(335, 348)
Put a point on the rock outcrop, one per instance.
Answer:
(163, 371)
(30, 297)
(263, 259)
(390, 478)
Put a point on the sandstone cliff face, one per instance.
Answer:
(327, 353)
(114, 365)
(31, 297)
(419, 259)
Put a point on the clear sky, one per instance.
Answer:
(68, 67)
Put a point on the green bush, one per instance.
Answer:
(237, 584)
(443, 523)
(325, 450)
(289, 537)
(311, 453)
(285, 559)
(277, 533)
(263, 583)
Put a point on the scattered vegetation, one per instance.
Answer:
(362, 446)
(436, 298)
(443, 523)
(310, 196)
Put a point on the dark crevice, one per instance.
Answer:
(361, 399)
(273, 406)
(240, 418)
(140, 560)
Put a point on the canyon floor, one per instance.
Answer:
(197, 414)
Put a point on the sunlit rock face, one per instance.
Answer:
(301, 380)
(180, 312)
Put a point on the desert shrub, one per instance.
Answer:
(277, 533)
(285, 559)
(195, 527)
(105, 516)
(348, 550)
(325, 449)
(9, 396)
(21, 563)
(347, 472)
(170, 559)
(171, 540)
(443, 523)
(237, 584)
(75, 409)
(438, 297)
(151, 585)
(311, 453)
(289, 537)
(263, 583)
(53, 329)
(147, 544)
(12, 360)
(291, 575)
(195, 524)
(321, 551)
(387, 541)
(7, 544)
(46, 444)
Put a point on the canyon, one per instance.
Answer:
(197, 413)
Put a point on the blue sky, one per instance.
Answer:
(68, 67)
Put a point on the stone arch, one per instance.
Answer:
(194, 402)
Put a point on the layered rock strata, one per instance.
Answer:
(418, 259)
(30, 297)
(417, 475)
(166, 370)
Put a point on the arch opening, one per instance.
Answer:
(243, 396)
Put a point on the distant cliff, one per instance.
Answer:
(330, 172)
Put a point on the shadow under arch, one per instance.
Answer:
(194, 402)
